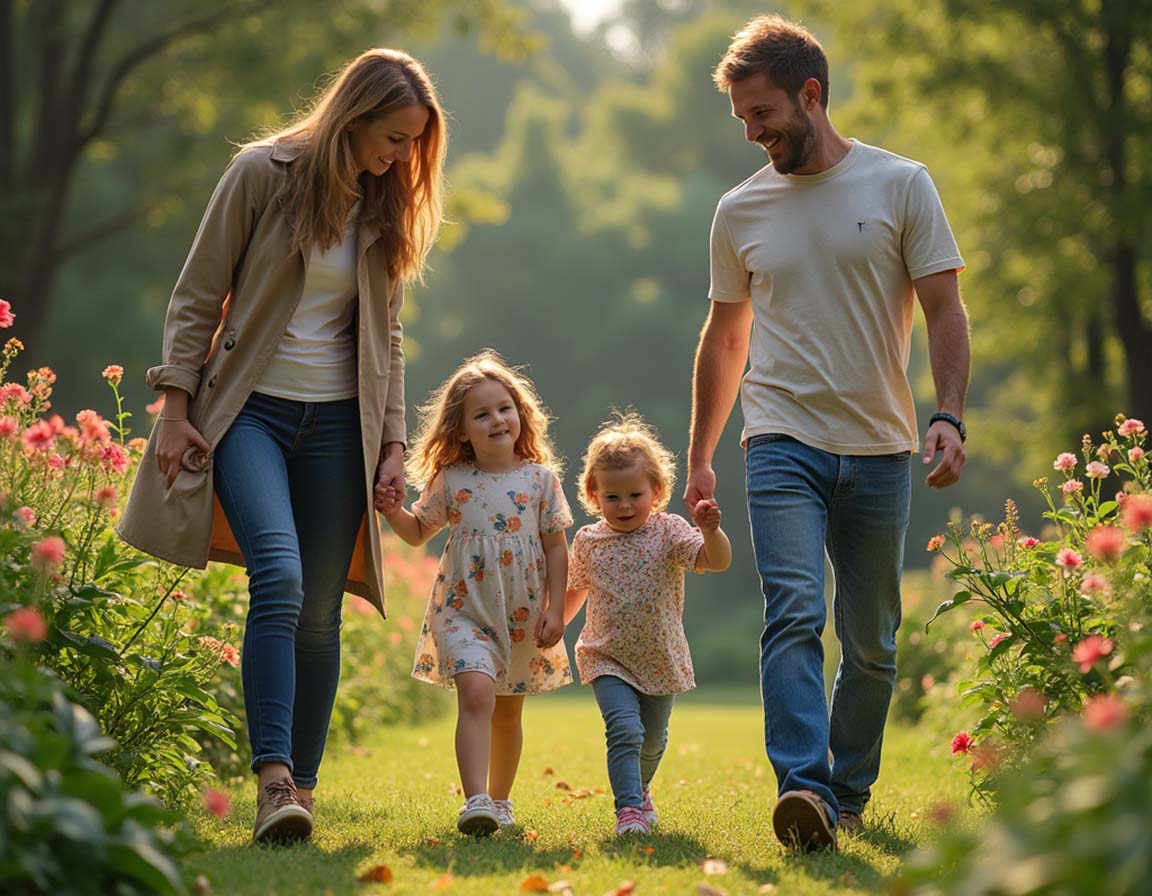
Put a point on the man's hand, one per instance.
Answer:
(701, 486)
(943, 437)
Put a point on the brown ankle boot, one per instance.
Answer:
(279, 816)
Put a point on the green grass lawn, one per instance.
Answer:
(394, 803)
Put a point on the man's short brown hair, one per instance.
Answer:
(784, 51)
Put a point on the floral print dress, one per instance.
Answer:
(490, 586)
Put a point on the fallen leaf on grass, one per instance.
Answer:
(548, 771)
(378, 874)
(647, 850)
(431, 841)
(443, 882)
(563, 785)
(715, 866)
(563, 887)
(534, 883)
(599, 790)
(455, 789)
(626, 888)
(767, 888)
(709, 890)
(581, 793)
(529, 835)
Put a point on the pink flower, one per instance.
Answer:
(39, 436)
(1094, 583)
(7, 318)
(1135, 453)
(961, 743)
(1097, 470)
(976, 626)
(1072, 486)
(113, 373)
(1138, 512)
(1104, 712)
(1090, 651)
(48, 553)
(1106, 543)
(1065, 462)
(1068, 558)
(26, 516)
(106, 495)
(112, 455)
(9, 426)
(155, 407)
(26, 625)
(1027, 541)
(1000, 636)
(935, 543)
(229, 654)
(11, 391)
(395, 639)
(217, 803)
(92, 427)
(987, 757)
(178, 596)
(138, 445)
(1130, 427)
(1029, 705)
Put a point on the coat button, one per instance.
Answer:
(212, 382)
(229, 344)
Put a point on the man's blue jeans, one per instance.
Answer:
(290, 478)
(802, 502)
(636, 729)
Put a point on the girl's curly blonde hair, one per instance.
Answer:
(437, 444)
(620, 443)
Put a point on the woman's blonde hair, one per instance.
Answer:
(406, 202)
(437, 444)
(620, 443)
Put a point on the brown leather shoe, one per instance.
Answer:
(850, 822)
(801, 822)
(279, 816)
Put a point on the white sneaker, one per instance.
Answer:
(478, 816)
(504, 813)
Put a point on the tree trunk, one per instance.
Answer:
(1135, 333)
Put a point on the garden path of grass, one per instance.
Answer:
(394, 804)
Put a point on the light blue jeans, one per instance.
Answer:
(636, 729)
(803, 502)
(290, 478)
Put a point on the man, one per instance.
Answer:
(814, 263)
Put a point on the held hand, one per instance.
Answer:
(706, 515)
(549, 630)
(701, 485)
(943, 437)
(179, 445)
(388, 493)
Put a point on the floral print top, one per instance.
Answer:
(635, 580)
(490, 586)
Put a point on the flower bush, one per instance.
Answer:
(1055, 611)
(1063, 685)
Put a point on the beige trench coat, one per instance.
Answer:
(234, 299)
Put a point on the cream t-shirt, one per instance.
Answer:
(316, 357)
(828, 261)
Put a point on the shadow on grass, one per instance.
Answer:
(501, 853)
(272, 869)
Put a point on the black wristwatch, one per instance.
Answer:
(955, 421)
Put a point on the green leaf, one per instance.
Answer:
(960, 597)
(142, 861)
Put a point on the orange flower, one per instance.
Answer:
(514, 524)
(520, 614)
(518, 635)
(113, 373)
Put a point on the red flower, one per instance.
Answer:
(26, 625)
(48, 553)
(1105, 543)
(217, 803)
(39, 436)
(7, 318)
(961, 743)
(1028, 541)
(1068, 558)
(1104, 712)
(1000, 636)
(1090, 651)
(976, 626)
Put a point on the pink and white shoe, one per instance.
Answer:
(505, 814)
(631, 820)
(648, 809)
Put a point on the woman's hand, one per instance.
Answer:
(388, 493)
(179, 445)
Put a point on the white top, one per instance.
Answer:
(316, 357)
(828, 262)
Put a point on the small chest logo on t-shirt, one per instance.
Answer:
(860, 226)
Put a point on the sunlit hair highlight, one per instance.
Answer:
(622, 442)
(406, 202)
(437, 444)
(771, 45)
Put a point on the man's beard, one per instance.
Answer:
(801, 138)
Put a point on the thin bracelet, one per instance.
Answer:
(172, 419)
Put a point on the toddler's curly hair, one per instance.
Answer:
(624, 440)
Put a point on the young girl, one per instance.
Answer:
(630, 568)
(496, 613)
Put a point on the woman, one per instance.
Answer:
(283, 377)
